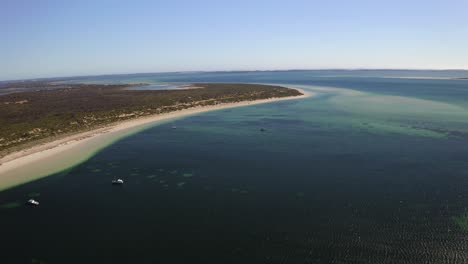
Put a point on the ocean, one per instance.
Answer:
(372, 169)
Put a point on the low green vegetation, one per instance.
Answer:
(27, 117)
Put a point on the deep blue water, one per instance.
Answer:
(370, 170)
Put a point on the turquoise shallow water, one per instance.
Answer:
(371, 170)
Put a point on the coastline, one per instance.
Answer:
(42, 160)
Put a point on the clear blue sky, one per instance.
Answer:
(63, 38)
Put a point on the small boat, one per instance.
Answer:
(262, 130)
(33, 202)
(174, 127)
(117, 182)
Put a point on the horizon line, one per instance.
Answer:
(232, 71)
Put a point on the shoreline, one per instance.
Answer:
(48, 158)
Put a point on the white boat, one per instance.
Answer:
(174, 127)
(117, 182)
(33, 202)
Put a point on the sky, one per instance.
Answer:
(45, 38)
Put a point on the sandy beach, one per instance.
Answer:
(42, 160)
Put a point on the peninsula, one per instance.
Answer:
(46, 131)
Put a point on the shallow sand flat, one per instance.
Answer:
(49, 158)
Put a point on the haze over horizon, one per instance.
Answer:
(57, 39)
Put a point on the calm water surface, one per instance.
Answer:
(371, 170)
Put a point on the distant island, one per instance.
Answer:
(31, 116)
